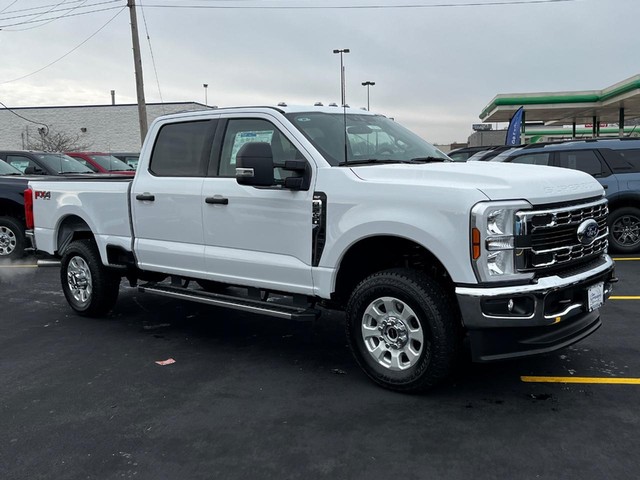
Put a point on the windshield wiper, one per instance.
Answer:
(370, 161)
(428, 159)
(11, 173)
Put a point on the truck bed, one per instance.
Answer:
(101, 202)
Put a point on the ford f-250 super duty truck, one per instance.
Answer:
(276, 209)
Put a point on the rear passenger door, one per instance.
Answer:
(166, 200)
(588, 161)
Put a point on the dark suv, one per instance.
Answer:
(614, 162)
(43, 163)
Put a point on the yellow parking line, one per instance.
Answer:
(18, 266)
(602, 380)
(624, 297)
(626, 259)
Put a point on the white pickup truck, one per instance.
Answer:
(276, 210)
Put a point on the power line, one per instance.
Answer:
(41, 7)
(25, 118)
(53, 10)
(66, 15)
(70, 51)
(153, 59)
(11, 4)
(47, 22)
(361, 7)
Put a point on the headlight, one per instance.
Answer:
(493, 230)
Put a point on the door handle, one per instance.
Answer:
(217, 200)
(145, 197)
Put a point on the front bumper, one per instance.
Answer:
(550, 314)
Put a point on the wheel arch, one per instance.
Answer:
(363, 258)
(71, 227)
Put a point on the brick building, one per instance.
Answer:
(107, 128)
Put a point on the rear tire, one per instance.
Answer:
(624, 230)
(90, 287)
(403, 330)
(12, 239)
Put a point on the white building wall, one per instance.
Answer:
(109, 128)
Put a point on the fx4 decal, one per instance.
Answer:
(42, 195)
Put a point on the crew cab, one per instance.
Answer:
(277, 210)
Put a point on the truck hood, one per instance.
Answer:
(498, 181)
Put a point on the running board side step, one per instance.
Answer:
(236, 303)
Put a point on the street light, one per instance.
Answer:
(205, 85)
(368, 84)
(342, 84)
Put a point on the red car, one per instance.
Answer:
(102, 162)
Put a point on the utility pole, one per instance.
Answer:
(137, 65)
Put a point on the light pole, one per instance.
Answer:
(205, 85)
(342, 84)
(368, 84)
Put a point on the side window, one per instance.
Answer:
(179, 149)
(533, 159)
(583, 160)
(241, 131)
(20, 162)
(627, 160)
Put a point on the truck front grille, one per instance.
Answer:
(548, 239)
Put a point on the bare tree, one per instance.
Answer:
(49, 140)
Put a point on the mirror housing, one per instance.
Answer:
(254, 165)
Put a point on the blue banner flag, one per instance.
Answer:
(513, 132)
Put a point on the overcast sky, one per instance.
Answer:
(435, 68)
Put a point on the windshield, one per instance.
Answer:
(371, 138)
(110, 163)
(6, 169)
(62, 163)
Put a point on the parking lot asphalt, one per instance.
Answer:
(254, 397)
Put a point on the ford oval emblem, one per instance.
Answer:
(588, 231)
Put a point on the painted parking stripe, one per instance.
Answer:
(600, 380)
(18, 266)
(624, 297)
(629, 259)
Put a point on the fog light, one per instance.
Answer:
(509, 307)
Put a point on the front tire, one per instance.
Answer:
(624, 227)
(403, 330)
(90, 288)
(12, 239)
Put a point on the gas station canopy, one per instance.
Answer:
(613, 104)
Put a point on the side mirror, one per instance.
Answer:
(254, 165)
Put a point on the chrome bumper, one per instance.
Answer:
(554, 314)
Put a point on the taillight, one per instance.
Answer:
(28, 208)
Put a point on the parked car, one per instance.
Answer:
(129, 158)
(43, 163)
(102, 162)
(614, 162)
(12, 224)
(463, 154)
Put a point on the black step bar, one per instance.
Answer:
(229, 301)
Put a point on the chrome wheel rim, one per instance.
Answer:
(79, 280)
(626, 230)
(8, 241)
(392, 333)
